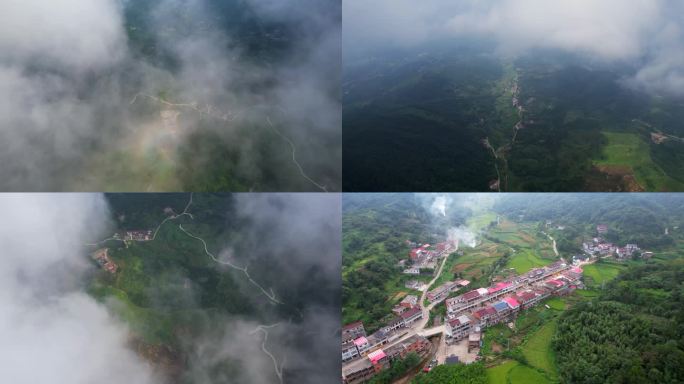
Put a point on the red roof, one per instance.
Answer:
(526, 296)
(513, 303)
(375, 356)
(410, 313)
(555, 282)
(352, 325)
(499, 286)
(471, 295)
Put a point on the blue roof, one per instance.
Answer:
(500, 306)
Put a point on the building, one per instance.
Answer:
(411, 315)
(358, 373)
(353, 331)
(399, 309)
(502, 311)
(362, 344)
(441, 292)
(484, 316)
(512, 304)
(458, 328)
(475, 339)
(409, 301)
(349, 351)
(601, 229)
(416, 344)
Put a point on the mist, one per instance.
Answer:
(290, 245)
(52, 331)
(646, 35)
(146, 96)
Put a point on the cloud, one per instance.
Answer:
(72, 34)
(70, 72)
(291, 243)
(642, 32)
(51, 331)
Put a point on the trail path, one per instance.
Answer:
(278, 368)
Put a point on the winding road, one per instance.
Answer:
(269, 294)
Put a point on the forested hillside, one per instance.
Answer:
(639, 218)
(633, 333)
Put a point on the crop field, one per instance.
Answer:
(526, 260)
(537, 349)
(600, 273)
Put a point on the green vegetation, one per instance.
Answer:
(537, 350)
(526, 260)
(375, 230)
(636, 331)
(598, 273)
(453, 374)
(398, 368)
(411, 115)
(630, 150)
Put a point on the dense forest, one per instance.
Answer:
(417, 119)
(633, 333)
(454, 374)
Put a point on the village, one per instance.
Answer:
(458, 337)
(599, 247)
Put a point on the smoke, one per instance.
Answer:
(436, 205)
(646, 34)
(463, 235)
(112, 95)
(50, 330)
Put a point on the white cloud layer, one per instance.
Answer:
(648, 33)
(52, 332)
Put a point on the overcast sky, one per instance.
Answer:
(648, 33)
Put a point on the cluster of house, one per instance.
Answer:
(355, 342)
(101, 256)
(440, 293)
(598, 246)
(422, 257)
(135, 235)
(475, 310)
(380, 359)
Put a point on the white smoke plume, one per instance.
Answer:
(463, 235)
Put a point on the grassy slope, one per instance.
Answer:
(538, 351)
(629, 149)
(597, 274)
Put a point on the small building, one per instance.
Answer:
(474, 340)
(411, 315)
(451, 360)
(353, 331)
(409, 301)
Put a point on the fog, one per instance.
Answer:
(146, 96)
(51, 330)
(645, 34)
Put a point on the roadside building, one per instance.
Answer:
(349, 351)
(411, 315)
(353, 330)
(458, 328)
